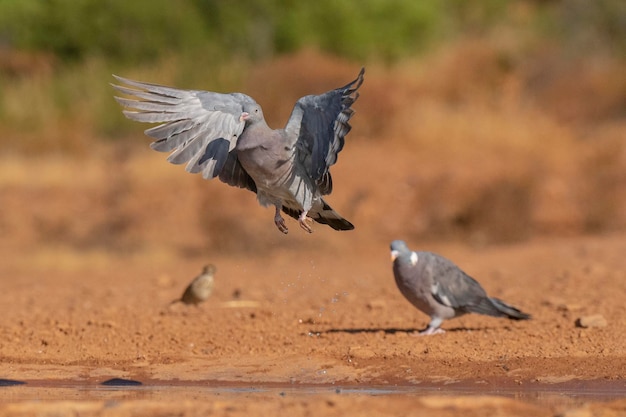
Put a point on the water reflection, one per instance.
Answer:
(117, 389)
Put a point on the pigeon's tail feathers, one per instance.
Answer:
(326, 216)
(338, 223)
(330, 217)
(508, 311)
(484, 306)
(496, 308)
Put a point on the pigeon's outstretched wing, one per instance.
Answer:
(199, 128)
(317, 127)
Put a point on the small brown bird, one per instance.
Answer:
(200, 288)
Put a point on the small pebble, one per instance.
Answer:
(121, 382)
(378, 304)
(359, 352)
(562, 305)
(595, 320)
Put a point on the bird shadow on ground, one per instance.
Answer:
(393, 330)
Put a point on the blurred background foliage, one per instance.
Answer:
(515, 110)
(135, 31)
(56, 56)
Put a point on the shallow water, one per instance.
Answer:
(115, 389)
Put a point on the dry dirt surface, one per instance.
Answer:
(94, 253)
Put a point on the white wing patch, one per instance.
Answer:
(434, 290)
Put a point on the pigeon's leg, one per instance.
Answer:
(433, 327)
(303, 222)
(280, 222)
(431, 330)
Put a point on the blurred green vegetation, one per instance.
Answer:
(56, 56)
(139, 30)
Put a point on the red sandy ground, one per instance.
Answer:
(93, 253)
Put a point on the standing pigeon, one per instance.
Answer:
(440, 289)
(226, 136)
(200, 288)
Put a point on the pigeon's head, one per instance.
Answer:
(252, 113)
(400, 251)
(399, 248)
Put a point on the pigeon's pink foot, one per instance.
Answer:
(430, 331)
(303, 220)
(280, 222)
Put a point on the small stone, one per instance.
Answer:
(378, 304)
(562, 305)
(553, 302)
(359, 352)
(571, 307)
(595, 320)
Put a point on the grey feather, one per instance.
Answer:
(318, 124)
(195, 123)
(233, 174)
(437, 287)
(225, 136)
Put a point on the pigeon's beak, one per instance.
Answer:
(394, 255)
(244, 116)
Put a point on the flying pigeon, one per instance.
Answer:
(226, 136)
(440, 289)
(200, 288)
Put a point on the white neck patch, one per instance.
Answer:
(413, 258)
